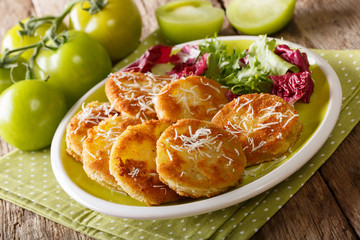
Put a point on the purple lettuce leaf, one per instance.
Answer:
(293, 56)
(293, 87)
(154, 55)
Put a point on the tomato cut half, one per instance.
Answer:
(260, 16)
(187, 20)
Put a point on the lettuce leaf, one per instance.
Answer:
(293, 56)
(154, 55)
(293, 87)
(222, 65)
(263, 68)
(262, 50)
(246, 71)
(188, 61)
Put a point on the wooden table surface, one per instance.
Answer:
(327, 207)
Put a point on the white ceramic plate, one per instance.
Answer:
(253, 187)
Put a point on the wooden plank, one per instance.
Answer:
(4, 147)
(321, 24)
(326, 24)
(341, 174)
(19, 223)
(49, 7)
(18, 9)
(311, 214)
(147, 11)
(313, 27)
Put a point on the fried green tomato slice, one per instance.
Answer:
(266, 125)
(132, 163)
(197, 159)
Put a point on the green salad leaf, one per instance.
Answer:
(250, 79)
(262, 50)
(221, 64)
(226, 68)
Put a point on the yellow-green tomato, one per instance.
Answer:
(186, 20)
(260, 16)
(12, 74)
(13, 39)
(117, 26)
(30, 112)
(75, 67)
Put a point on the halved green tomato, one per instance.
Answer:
(260, 16)
(187, 20)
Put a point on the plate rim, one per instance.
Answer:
(227, 199)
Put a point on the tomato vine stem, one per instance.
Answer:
(95, 6)
(56, 40)
(28, 29)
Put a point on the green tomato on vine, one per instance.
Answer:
(72, 62)
(10, 73)
(30, 112)
(75, 66)
(115, 24)
(13, 39)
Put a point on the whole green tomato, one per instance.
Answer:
(15, 73)
(117, 26)
(13, 40)
(30, 112)
(75, 67)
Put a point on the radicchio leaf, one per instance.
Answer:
(293, 56)
(293, 87)
(154, 55)
(245, 60)
(231, 96)
(188, 54)
(187, 62)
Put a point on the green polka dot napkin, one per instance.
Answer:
(26, 179)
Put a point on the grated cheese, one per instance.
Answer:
(93, 115)
(209, 85)
(241, 127)
(87, 151)
(134, 172)
(162, 187)
(237, 151)
(230, 159)
(188, 97)
(196, 141)
(109, 135)
(169, 154)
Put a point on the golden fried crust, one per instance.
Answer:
(265, 124)
(132, 163)
(193, 97)
(76, 131)
(132, 93)
(97, 147)
(199, 159)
